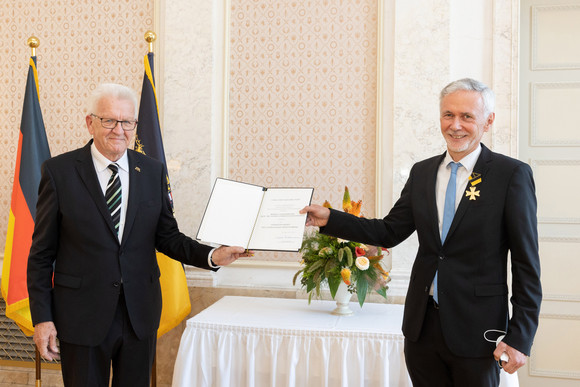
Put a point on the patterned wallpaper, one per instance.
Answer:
(302, 102)
(302, 85)
(82, 43)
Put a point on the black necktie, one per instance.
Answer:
(113, 196)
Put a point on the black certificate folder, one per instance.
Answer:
(255, 217)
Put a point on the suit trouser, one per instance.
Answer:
(130, 358)
(430, 363)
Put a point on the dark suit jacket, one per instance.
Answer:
(472, 261)
(74, 232)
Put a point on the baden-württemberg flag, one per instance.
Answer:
(176, 305)
(32, 152)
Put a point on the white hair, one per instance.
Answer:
(468, 84)
(106, 90)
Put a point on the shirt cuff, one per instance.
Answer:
(210, 262)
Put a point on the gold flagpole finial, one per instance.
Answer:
(150, 38)
(33, 42)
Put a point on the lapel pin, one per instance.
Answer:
(475, 179)
(138, 169)
(472, 193)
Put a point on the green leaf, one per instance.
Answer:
(340, 255)
(333, 283)
(361, 289)
(383, 291)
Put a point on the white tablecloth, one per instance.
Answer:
(255, 342)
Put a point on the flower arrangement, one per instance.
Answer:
(331, 260)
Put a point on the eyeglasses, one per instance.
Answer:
(111, 123)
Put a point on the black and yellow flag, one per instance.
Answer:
(176, 304)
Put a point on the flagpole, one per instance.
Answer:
(150, 38)
(33, 42)
(38, 369)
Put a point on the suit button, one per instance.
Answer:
(441, 257)
(426, 289)
(116, 284)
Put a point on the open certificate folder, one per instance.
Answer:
(255, 217)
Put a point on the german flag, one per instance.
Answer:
(33, 150)
(176, 304)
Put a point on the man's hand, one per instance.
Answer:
(45, 340)
(317, 215)
(516, 358)
(225, 255)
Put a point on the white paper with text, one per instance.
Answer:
(279, 225)
(251, 216)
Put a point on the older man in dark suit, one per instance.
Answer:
(470, 208)
(93, 279)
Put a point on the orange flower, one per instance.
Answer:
(350, 206)
(359, 251)
(326, 204)
(356, 207)
(346, 203)
(345, 274)
(384, 273)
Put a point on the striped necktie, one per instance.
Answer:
(113, 196)
(448, 214)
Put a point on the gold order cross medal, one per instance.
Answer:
(474, 180)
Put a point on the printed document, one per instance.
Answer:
(255, 217)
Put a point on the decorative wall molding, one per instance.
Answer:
(552, 140)
(537, 12)
(534, 367)
(560, 297)
(560, 239)
(504, 74)
(535, 164)
(276, 275)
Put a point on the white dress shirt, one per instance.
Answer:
(101, 164)
(463, 173)
(443, 174)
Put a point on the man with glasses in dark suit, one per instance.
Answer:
(93, 280)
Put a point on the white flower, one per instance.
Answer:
(362, 263)
(342, 240)
(325, 251)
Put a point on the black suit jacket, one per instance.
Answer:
(75, 241)
(472, 261)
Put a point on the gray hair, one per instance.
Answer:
(468, 84)
(114, 90)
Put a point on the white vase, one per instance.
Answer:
(342, 298)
